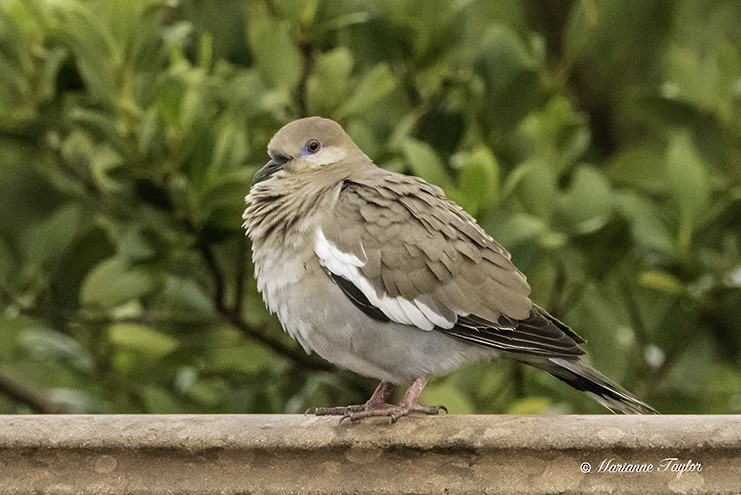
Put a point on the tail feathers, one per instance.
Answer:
(587, 379)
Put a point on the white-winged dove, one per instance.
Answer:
(380, 273)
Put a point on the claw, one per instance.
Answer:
(356, 413)
(377, 406)
(349, 416)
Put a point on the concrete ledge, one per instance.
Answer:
(245, 454)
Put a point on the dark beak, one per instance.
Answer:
(276, 163)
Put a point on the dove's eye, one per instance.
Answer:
(312, 146)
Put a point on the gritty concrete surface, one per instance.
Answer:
(254, 454)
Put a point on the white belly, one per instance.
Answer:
(315, 312)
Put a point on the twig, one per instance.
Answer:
(634, 314)
(233, 314)
(20, 393)
(213, 267)
(240, 275)
(307, 361)
(307, 57)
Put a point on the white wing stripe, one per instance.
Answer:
(415, 314)
(396, 309)
(434, 317)
(327, 251)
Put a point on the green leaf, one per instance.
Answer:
(537, 189)
(114, 282)
(74, 401)
(588, 204)
(424, 162)
(646, 222)
(141, 339)
(689, 186)
(704, 77)
(184, 296)
(521, 228)
(149, 131)
(557, 134)
(328, 85)
(231, 147)
(8, 263)
(448, 394)
(509, 74)
(478, 180)
(231, 358)
(375, 85)
(159, 400)
(170, 94)
(662, 282)
(276, 56)
(635, 167)
(45, 243)
(531, 405)
(47, 344)
(93, 46)
(104, 160)
(206, 394)
(366, 138)
(137, 244)
(226, 194)
(296, 10)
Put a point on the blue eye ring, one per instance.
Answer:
(312, 147)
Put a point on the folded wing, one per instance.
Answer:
(402, 252)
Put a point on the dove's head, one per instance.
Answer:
(307, 144)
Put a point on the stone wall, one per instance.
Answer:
(246, 454)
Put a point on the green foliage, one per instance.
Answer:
(601, 146)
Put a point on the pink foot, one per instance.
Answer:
(378, 407)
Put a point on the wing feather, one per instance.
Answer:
(402, 252)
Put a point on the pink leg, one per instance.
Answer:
(377, 406)
(380, 395)
(377, 401)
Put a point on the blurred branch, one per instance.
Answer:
(69, 170)
(9, 298)
(307, 57)
(76, 176)
(22, 394)
(307, 361)
(634, 313)
(517, 379)
(563, 297)
(233, 314)
(213, 267)
(682, 342)
(550, 18)
(500, 398)
(240, 275)
(557, 300)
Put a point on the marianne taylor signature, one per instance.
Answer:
(666, 465)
